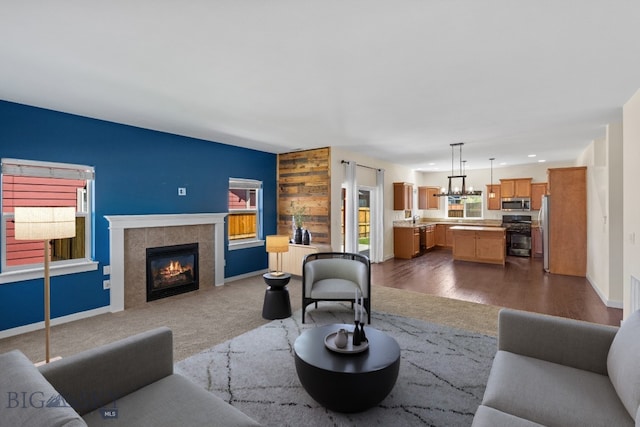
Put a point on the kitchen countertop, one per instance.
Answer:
(487, 223)
(477, 228)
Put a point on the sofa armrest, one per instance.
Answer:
(569, 342)
(93, 378)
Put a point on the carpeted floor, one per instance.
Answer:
(213, 315)
(443, 372)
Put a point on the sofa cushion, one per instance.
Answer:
(489, 417)
(171, 401)
(27, 397)
(552, 394)
(623, 363)
(334, 289)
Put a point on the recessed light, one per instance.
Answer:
(503, 163)
(531, 155)
(431, 164)
(541, 161)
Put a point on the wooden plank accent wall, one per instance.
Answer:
(304, 178)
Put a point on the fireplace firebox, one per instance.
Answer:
(171, 270)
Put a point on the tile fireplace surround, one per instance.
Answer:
(131, 235)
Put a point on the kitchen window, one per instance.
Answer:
(464, 207)
(245, 213)
(35, 183)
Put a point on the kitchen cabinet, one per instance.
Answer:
(536, 242)
(518, 187)
(427, 198)
(444, 235)
(479, 244)
(406, 242)
(494, 204)
(538, 189)
(430, 236)
(568, 221)
(402, 196)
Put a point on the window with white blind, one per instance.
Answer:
(27, 183)
(245, 213)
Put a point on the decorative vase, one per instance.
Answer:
(356, 335)
(341, 338)
(306, 237)
(363, 336)
(297, 237)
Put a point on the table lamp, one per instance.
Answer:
(278, 244)
(45, 223)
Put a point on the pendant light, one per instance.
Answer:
(461, 175)
(492, 194)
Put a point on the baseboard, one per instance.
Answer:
(607, 302)
(57, 321)
(246, 275)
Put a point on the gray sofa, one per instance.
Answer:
(554, 371)
(129, 382)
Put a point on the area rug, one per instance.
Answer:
(443, 373)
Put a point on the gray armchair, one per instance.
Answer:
(335, 276)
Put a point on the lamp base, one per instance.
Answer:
(277, 273)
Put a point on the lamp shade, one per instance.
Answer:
(277, 243)
(44, 223)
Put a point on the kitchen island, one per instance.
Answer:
(479, 244)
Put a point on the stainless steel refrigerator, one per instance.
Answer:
(543, 223)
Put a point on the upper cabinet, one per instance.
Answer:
(493, 204)
(538, 189)
(428, 198)
(402, 196)
(519, 187)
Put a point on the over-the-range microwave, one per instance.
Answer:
(516, 204)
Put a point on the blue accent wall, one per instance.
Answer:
(138, 171)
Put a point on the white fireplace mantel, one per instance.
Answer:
(119, 223)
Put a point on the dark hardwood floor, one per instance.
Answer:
(520, 284)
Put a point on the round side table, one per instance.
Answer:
(346, 382)
(277, 304)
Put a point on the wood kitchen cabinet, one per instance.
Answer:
(518, 187)
(538, 189)
(479, 244)
(431, 236)
(444, 235)
(536, 242)
(402, 196)
(427, 198)
(494, 204)
(406, 242)
(568, 221)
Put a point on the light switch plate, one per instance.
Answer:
(182, 191)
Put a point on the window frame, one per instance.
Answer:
(464, 209)
(16, 273)
(247, 184)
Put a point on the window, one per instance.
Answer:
(33, 183)
(245, 212)
(464, 206)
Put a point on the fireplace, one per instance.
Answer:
(171, 270)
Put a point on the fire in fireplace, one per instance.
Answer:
(171, 270)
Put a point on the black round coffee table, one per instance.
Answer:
(277, 304)
(346, 382)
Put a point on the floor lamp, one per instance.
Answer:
(45, 223)
(278, 244)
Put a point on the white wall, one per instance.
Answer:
(631, 207)
(604, 213)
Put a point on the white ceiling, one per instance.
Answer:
(398, 80)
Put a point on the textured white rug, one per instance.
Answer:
(443, 372)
